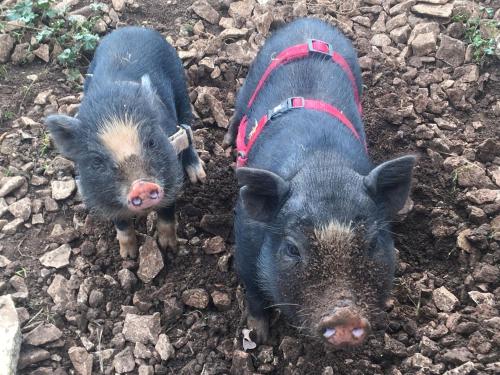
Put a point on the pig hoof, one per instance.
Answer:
(196, 172)
(228, 140)
(128, 243)
(167, 237)
(261, 328)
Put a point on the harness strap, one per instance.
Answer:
(303, 50)
(181, 139)
(287, 105)
(290, 54)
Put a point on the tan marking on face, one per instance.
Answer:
(121, 137)
(335, 234)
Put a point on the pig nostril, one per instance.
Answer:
(136, 201)
(358, 332)
(154, 194)
(329, 332)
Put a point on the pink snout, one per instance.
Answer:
(344, 328)
(143, 195)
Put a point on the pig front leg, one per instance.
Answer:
(193, 165)
(167, 236)
(125, 235)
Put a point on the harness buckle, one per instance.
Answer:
(290, 103)
(321, 48)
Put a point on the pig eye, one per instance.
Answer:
(97, 162)
(152, 143)
(292, 251)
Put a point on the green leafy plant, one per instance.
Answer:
(48, 24)
(483, 45)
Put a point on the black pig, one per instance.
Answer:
(312, 218)
(135, 95)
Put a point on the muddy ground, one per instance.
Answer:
(426, 92)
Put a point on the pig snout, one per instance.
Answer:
(144, 194)
(344, 327)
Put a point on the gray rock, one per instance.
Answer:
(417, 361)
(221, 300)
(464, 369)
(57, 258)
(18, 283)
(380, 40)
(197, 298)
(422, 28)
(142, 351)
(428, 347)
(444, 299)
(118, 5)
(59, 290)
(242, 363)
(423, 44)
(379, 25)
(124, 361)
(4, 261)
(21, 54)
(486, 273)
(471, 175)
(146, 370)
(6, 45)
(402, 7)
(214, 245)
(42, 52)
(9, 184)
(62, 189)
(81, 359)
(4, 207)
(10, 332)
(150, 260)
(451, 51)
(96, 298)
(164, 348)
(241, 9)
(441, 11)
(398, 21)
(457, 356)
(50, 204)
(31, 356)
(400, 34)
(482, 196)
(467, 73)
(13, 226)
(42, 334)
(204, 10)
(142, 328)
(127, 279)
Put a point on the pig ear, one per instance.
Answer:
(262, 192)
(64, 130)
(147, 86)
(390, 182)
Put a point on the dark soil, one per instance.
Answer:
(205, 339)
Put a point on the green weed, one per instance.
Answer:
(47, 25)
(22, 272)
(45, 145)
(483, 43)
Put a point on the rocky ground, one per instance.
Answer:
(432, 88)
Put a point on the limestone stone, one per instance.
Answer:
(10, 332)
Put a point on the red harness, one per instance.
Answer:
(290, 54)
